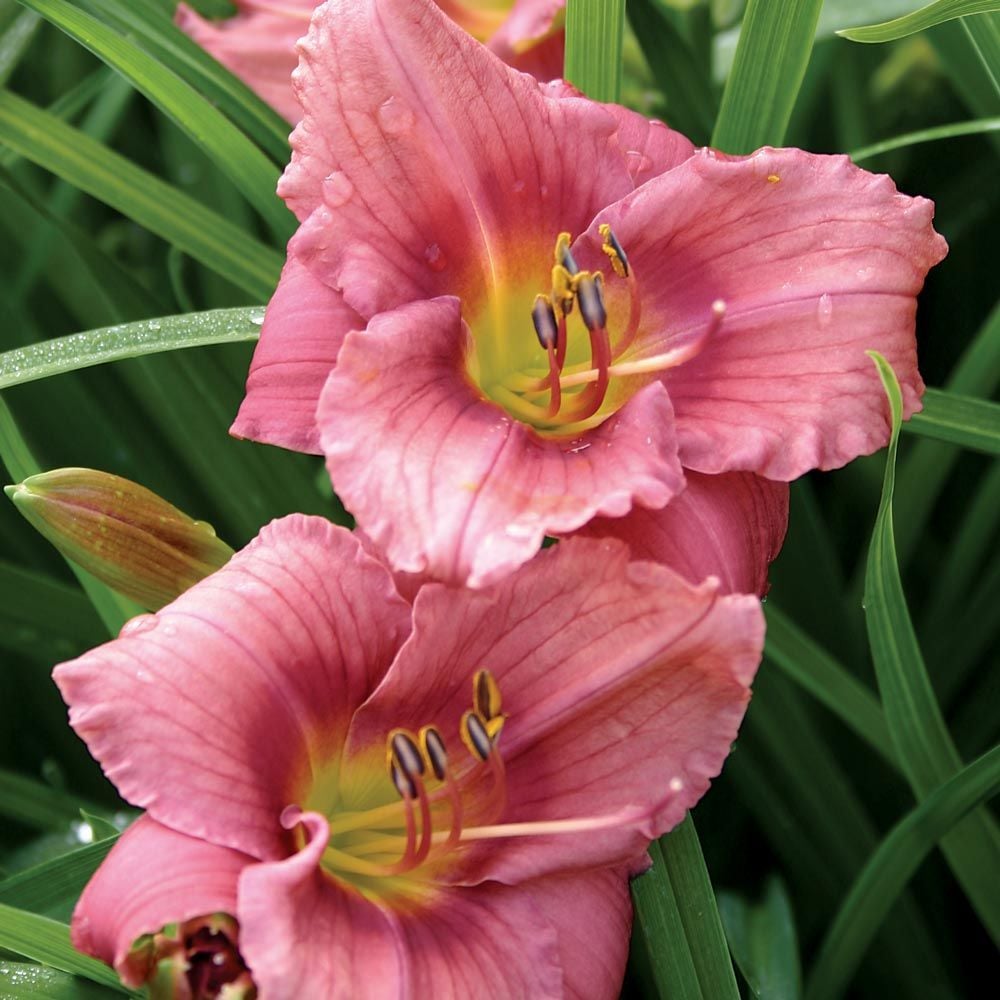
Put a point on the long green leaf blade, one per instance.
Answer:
(946, 416)
(594, 33)
(129, 340)
(926, 751)
(248, 168)
(770, 63)
(977, 127)
(919, 20)
(138, 194)
(22, 981)
(890, 868)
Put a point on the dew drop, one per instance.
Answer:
(257, 318)
(138, 625)
(864, 273)
(337, 189)
(435, 257)
(824, 310)
(518, 186)
(637, 162)
(395, 117)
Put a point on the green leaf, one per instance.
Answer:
(923, 743)
(57, 882)
(946, 416)
(878, 886)
(679, 924)
(684, 82)
(129, 340)
(919, 20)
(594, 33)
(976, 127)
(36, 805)
(47, 941)
(810, 666)
(763, 941)
(247, 167)
(14, 42)
(21, 981)
(42, 138)
(770, 63)
(984, 35)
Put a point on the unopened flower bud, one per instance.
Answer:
(125, 535)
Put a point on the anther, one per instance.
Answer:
(434, 751)
(404, 753)
(619, 260)
(544, 318)
(403, 783)
(475, 736)
(564, 256)
(563, 292)
(486, 697)
(590, 292)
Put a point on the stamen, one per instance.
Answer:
(434, 751)
(563, 290)
(403, 751)
(544, 318)
(486, 696)
(475, 736)
(614, 250)
(564, 255)
(590, 292)
(403, 783)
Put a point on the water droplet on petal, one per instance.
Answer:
(337, 189)
(637, 162)
(518, 186)
(864, 273)
(257, 318)
(394, 116)
(824, 310)
(435, 257)
(138, 625)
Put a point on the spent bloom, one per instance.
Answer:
(258, 42)
(350, 796)
(509, 310)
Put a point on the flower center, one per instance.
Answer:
(581, 366)
(392, 837)
(480, 19)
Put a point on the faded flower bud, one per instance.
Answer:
(125, 535)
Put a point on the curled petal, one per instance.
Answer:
(456, 487)
(409, 184)
(212, 712)
(624, 686)
(817, 261)
(730, 526)
(304, 326)
(153, 876)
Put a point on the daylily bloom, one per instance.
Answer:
(436, 800)
(524, 309)
(258, 42)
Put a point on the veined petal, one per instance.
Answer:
(455, 486)
(409, 184)
(256, 45)
(304, 326)
(623, 685)
(817, 261)
(212, 713)
(531, 39)
(730, 526)
(153, 876)
(592, 914)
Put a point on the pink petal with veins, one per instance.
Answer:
(446, 482)
(261, 665)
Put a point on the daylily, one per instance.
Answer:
(258, 42)
(524, 309)
(324, 763)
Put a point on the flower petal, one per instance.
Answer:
(257, 46)
(409, 184)
(530, 40)
(304, 326)
(817, 262)
(730, 526)
(129, 896)
(456, 487)
(592, 914)
(623, 684)
(306, 936)
(212, 713)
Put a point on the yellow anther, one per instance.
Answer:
(563, 290)
(773, 178)
(475, 736)
(486, 698)
(401, 753)
(494, 727)
(433, 749)
(562, 251)
(612, 248)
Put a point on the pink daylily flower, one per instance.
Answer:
(324, 763)
(420, 336)
(257, 44)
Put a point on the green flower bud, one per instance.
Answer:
(125, 535)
